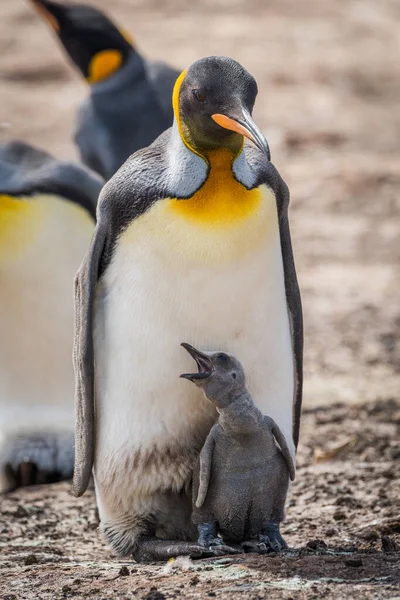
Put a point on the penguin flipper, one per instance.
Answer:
(83, 358)
(293, 300)
(280, 438)
(267, 174)
(205, 466)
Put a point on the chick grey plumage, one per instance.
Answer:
(129, 103)
(192, 242)
(241, 478)
(47, 213)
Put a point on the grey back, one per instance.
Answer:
(124, 113)
(26, 170)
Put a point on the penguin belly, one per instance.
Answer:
(172, 280)
(42, 240)
(238, 495)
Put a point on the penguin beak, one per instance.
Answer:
(246, 126)
(203, 362)
(44, 8)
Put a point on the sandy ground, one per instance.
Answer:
(329, 81)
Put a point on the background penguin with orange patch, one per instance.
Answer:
(130, 97)
(47, 215)
(192, 242)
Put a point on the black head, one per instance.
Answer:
(94, 44)
(220, 375)
(213, 101)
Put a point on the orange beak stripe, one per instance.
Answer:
(52, 21)
(228, 123)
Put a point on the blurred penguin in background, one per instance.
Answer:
(130, 97)
(47, 216)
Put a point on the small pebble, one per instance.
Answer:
(339, 515)
(353, 562)
(388, 545)
(316, 545)
(154, 594)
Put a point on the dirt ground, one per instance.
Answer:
(343, 523)
(329, 96)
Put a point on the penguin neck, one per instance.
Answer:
(241, 416)
(216, 187)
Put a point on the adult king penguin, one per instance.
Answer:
(130, 97)
(47, 210)
(192, 243)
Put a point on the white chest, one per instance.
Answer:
(42, 241)
(218, 290)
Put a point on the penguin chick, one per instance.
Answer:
(241, 478)
(129, 103)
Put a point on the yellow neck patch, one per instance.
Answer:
(222, 200)
(28, 222)
(177, 114)
(20, 223)
(103, 65)
(173, 234)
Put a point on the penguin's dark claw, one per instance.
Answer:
(274, 543)
(209, 540)
(217, 547)
(255, 546)
(271, 537)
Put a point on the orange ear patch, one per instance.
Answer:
(104, 64)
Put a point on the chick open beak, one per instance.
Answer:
(246, 126)
(203, 362)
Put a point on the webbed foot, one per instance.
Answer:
(255, 546)
(151, 549)
(271, 537)
(209, 540)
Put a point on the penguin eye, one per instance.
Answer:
(200, 96)
(222, 358)
(234, 375)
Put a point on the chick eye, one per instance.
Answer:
(222, 357)
(234, 375)
(200, 96)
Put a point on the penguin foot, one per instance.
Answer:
(217, 547)
(271, 537)
(254, 546)
(152, 549)
(209, 540)
(32, 459)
